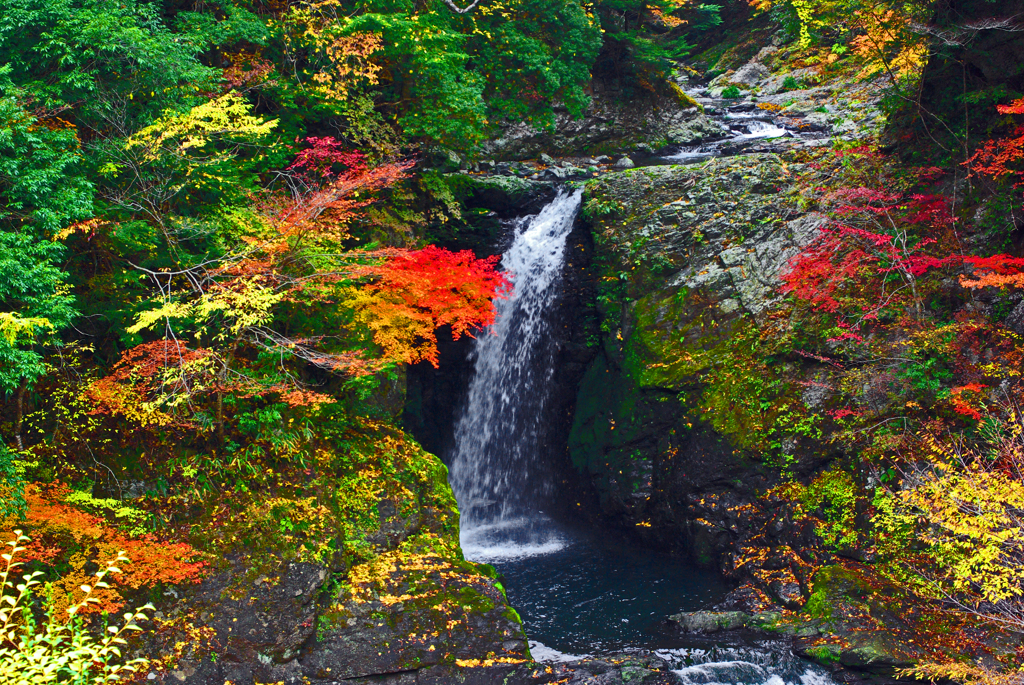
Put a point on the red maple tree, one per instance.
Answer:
(1003, 157)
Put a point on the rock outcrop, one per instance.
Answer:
(688, 256)
(355, 574)
(608, 126)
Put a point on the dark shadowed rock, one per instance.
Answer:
(709, 621)
(787, 593)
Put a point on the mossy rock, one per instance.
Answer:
(366, 577)
(684, 100)
(506, 195)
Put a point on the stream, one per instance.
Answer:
(745, 128)
(581, 592)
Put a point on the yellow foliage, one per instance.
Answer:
(335, 62)
(79, 227)
(227, 117)
(150, 317)
(403, 334)
(14, 328)
(965, 505)
(126, 400)
(244, 304)
(885, 41)
(975, 531)
(964, 672)
(888, 45)
(59, 649)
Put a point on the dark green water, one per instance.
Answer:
(595, 596)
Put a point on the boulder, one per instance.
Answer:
(443, 159)
(750, 74)
(709, 621)
(695, 129)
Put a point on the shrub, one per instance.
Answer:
(57, 650)
(65, 534)
(731, 93)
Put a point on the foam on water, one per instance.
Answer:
(725, 672)
(691, 154)
(576, 595)
(757, 129)
(511, 540)
(544, 654)
(764, 665)
(763, 129)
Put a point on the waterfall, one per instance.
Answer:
(497, 473)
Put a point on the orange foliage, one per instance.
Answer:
(960, 404)
(297, 256)
(416, 292)
(63, 533)
(998, 271)
(247, 71)
(666, 19)
(127, 391)
(994, 280)
(326, 212)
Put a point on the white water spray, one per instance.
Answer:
(763, 129)
(496, 471)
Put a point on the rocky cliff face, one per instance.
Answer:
(689, 258)
(680, 273)
(681, 421)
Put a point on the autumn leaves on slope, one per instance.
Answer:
(285, 302)
(922, 362)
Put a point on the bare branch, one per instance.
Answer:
(459, 10)
(962, 34)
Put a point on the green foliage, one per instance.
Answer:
(130, 519)
(708, 17)
(12, 487)
(454, 74)
(537, 57)
(833, 496)
(731, 93)
(43, 187)
(818, 604)
(34, 303)
(595, 208)
(111, 63)
(208, 153)
(824, 654)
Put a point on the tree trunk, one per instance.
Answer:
(19, 413)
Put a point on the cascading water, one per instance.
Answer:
(497, 475)
(579, 592)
